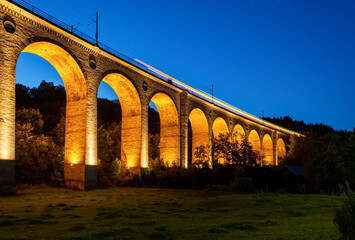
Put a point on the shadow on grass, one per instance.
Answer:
(146, 223)
(77, 227)
(109, 215)
(159, 233)
(112, 233)
(5, 223)
(217, 230)
(247, 226)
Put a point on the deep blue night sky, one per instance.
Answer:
(280, 57)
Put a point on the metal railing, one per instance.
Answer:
(70, 28)
(207, 97)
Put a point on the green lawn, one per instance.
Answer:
(137, 213)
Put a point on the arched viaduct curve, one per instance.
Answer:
(82, 66)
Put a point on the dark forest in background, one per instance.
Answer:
(327, 156)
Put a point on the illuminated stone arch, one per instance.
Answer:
(254, 140)
(219, 127)
(200, 134)
(238, 132)
(131, 129)
(169, 128)
(76, 106)
(281, 150)
(267, 150)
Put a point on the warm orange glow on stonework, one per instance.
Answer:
(219, 127)
(254, 140)
(131, 119)
(238, 133)
(199, 127)
(267, 150)
(6, 143)
(281, 150)
(81, 66)
(169, 128)
(76, 92)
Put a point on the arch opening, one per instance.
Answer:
(238, 133)
(169, 128)
(281, 151)
(219, 128)
(199, 132)
(254, 140)
(130, 149)
(267, 150)
(75, 110)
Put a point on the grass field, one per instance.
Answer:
(135, 213)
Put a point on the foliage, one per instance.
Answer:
(28, 121)
(108, 143)
(328, 156)
(40, 127)
(246, 156)
(108, 111)
(301, 126)
(201, 157)
(222, 147)
(344, 217)
(241, 182)
(227, 150)
(154, 140)
(328, 160)
(38, 158)
(40, 135)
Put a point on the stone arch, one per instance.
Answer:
(267, 150)
(219, 127)
(76, 106)
(200, 134)
(169, 128)
(131, 129)
(281, 150)
(238, 132)
(34, 40)
(254, 140)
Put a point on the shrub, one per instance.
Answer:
(344, 217)
(241, 182)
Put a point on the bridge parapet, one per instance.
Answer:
(82, 66)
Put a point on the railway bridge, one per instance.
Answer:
(83, 64)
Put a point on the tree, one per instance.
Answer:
(154, 151)
(247, 156)
(109, 153)
(201, 157)
(222, 150)
(344, 216)
(37, 156)
(227, 150)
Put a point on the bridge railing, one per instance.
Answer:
(207, 97)
(38, 12)
(52, 19)
(71, 29)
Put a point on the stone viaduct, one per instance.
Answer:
(82, 65)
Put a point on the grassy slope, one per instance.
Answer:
(126, 213)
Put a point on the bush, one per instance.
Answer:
(241, 182)
(344, 217)
(57, 179)
(38, 158)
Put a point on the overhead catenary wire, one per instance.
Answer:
(115, 41)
